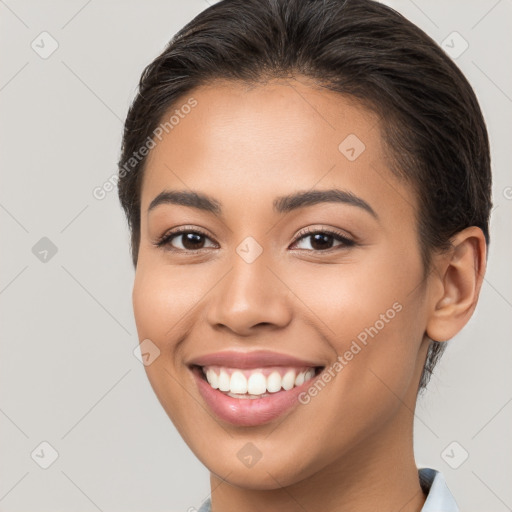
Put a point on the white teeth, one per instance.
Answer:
(224, 381)
(212, 378)
(257, 384)
(288, 380)
(299, 380)
(254, 384)
(274, 382)
(238, 383)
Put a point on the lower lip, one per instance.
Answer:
(247, 412)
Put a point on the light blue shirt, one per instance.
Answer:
(439, 497)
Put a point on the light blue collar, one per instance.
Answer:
(439, 497)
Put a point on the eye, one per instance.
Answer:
(186, 240)
(323, 240)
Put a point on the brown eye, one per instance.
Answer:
(185, 240)
(191, 241)
(324, 240)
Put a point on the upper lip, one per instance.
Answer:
(252, 359)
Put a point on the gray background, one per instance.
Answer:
(68, 373)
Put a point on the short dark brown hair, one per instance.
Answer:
(435, 135)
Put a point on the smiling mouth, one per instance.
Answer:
(257, 382)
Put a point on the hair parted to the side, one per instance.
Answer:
(435, 135)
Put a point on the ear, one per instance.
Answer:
(459, 276)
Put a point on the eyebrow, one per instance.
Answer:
(283, 204)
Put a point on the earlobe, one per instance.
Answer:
(461, 272)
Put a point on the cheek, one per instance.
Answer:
(163, 300)
(371, 317)
(373, 324)
(348, 299)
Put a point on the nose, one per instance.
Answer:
(250, 297)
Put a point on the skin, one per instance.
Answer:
(352, 443)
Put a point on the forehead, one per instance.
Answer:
(243, 142)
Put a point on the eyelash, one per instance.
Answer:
(307, 232)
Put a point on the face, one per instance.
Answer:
(294, 275)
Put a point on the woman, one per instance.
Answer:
(307, 185)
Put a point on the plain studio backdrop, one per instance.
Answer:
(71, 387)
